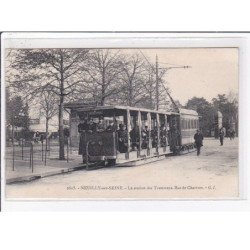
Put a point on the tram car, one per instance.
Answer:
(118, 135)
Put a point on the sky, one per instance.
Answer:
(213, 71)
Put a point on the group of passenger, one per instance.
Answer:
(146, 134)
(89, 126)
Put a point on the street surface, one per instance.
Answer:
(214, 174)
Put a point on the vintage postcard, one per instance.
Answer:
(102, 121)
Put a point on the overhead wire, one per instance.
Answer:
(172, 100)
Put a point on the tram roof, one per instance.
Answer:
(188, 112)
(84, 107)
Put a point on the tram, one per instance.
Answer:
(118, 135)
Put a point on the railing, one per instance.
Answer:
(30, 154)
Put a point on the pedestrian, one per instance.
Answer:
(198, 138)
(221, 136)
(233, 134)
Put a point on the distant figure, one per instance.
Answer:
(36, 137)
(66, 132)
(42, 137)
(198, 138)
(231, 134)
(221, 136)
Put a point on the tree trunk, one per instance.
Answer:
(61, 134)
(103, 95)
(47, 131)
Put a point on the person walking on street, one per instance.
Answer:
(198, 138)
(221, 135)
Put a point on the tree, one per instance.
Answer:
(49, 108)
(104, 71)
(132, 78)
(17, 114)
(228, 106)
(59, 69)
(205, 110)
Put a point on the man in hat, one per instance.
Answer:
(122, 138)
(145, 137)
(198, 138)
(100, 125)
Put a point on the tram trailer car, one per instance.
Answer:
(106, 146)
(189, 124)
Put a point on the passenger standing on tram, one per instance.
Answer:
(111, 127)
(135, 137)
(163, 136)
(100, 126)
(82, 128)
(175, 138)
(122, 139)
(92, 126)
(154, 136)
(145, 137)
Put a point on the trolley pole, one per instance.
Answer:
(157, 83)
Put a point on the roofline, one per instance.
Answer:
(81, 107)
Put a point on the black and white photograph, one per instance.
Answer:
(114, 122)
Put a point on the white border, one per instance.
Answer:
(142, 40)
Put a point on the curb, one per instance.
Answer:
(33, 177)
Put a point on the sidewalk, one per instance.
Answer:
(23, 172)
